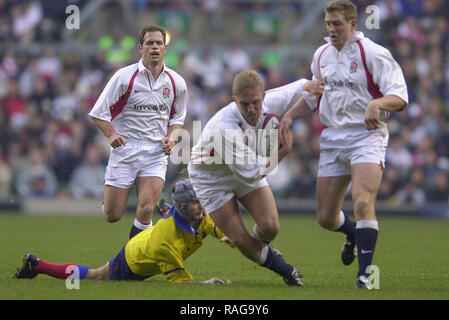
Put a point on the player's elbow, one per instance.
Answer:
(395, 102)
(402, 105)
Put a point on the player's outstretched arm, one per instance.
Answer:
(210, 281)
(314, 87)
(300, 110)
(227, 241)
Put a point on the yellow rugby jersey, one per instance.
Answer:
(164, 247)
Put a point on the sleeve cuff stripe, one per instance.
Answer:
(173, 270)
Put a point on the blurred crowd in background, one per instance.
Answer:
(49, 147)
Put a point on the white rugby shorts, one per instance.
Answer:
(133, 160)
(342, 148)
(215, 187)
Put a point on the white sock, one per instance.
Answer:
(142, 226)
(263, 254)
(367, 224)
(341, 220)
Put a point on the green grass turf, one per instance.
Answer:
(412, 255)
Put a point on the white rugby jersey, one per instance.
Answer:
(211, 155)
(140, 108)
(360, 72)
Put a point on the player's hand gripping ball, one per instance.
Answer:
(267, 135)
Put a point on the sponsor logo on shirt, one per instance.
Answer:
(151, 107)
(339, 83)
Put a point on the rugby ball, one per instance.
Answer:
(267, 135)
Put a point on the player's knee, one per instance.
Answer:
(268, 230)
(362, 207)
(97, 274)
(102, 275)
(146, 210)
(326, 222)
(111, 216)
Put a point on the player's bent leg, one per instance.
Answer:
(330, 195)
(115, 201)
(229, 220)
(149, 190)
(262, 207)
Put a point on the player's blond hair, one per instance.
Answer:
(345, 7)
(246, 80)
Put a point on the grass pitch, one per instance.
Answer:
(411, 253)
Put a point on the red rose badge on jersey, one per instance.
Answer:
(166, 93)
(353, 67)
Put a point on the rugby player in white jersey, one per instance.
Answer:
(220, 184)
(363, 83)
(137, 111)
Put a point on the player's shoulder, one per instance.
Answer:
(128, 70)
(164, 223)
(226, 113)
(223, 119)
(372, 48)
(320, 50)
(125, 74)
(206, 220)
(177, 78)
(165, 229)
(231, 116)
(206, 223)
